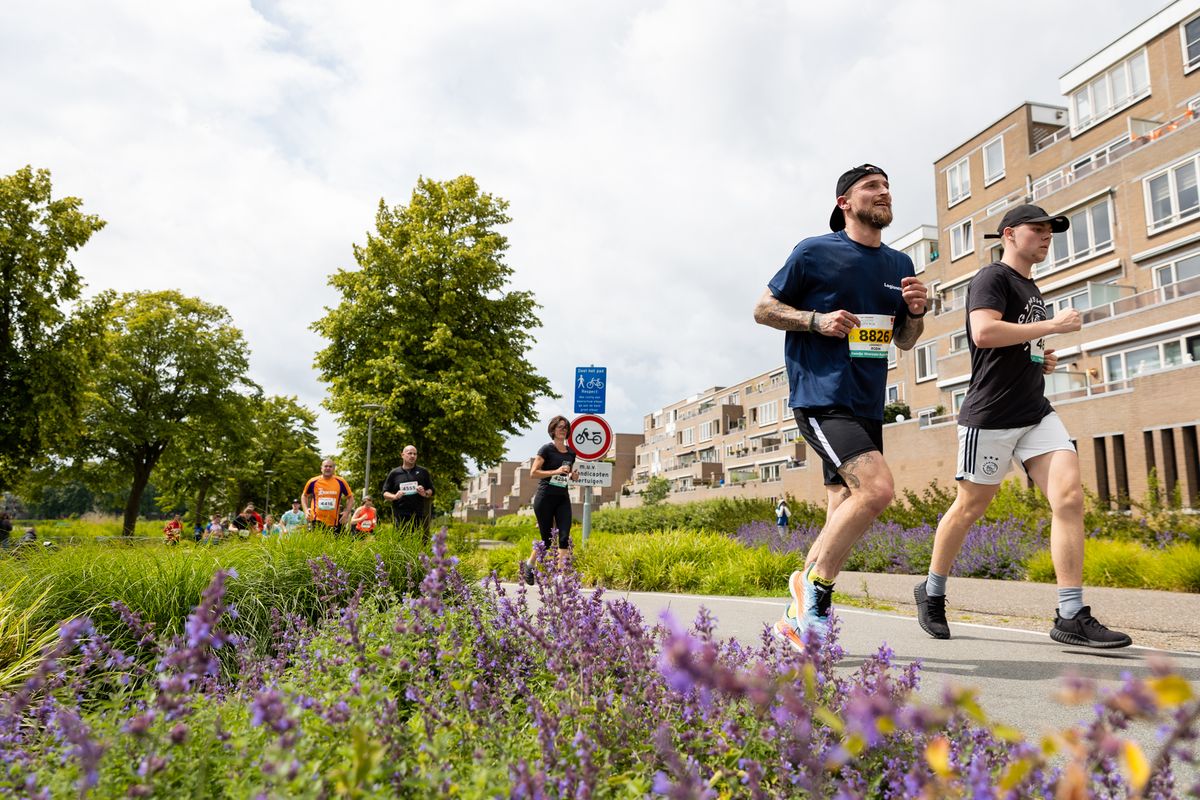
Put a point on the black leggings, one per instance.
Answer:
(553, 511)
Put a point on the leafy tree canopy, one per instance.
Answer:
(44, 349)
(427, 329)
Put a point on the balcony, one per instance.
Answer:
(1134, 302)
(1060, 179)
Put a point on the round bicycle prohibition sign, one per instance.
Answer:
(590, 436)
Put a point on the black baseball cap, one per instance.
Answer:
(837, 220)
(1026, 213)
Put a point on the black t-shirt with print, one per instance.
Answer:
(1008, 389)
(552, 460)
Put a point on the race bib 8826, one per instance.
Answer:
(872, 336)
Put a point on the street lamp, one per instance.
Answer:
(373, 407)
(268, 473)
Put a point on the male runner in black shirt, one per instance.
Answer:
(408, 487)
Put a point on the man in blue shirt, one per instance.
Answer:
(842, 298)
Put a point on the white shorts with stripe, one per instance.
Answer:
(984, 454)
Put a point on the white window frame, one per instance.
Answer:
(1175, 218)
(925, 416)
(1090, 92)
(894, 393)
(1094, 248)
(1183, 42)
(893, 356)
(770, 473)
(956, 399)
(990, 175)
(687, 436)
(1172, 268)
(954, 298)
(1179, 340)
(917, 253)
(706, 429)
(926, 353)
(958, 180)
(768, 413)
(961, 332)
(962, 235)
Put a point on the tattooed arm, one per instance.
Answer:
(774, 313)
(909, 332)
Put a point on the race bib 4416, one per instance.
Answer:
(872, 336)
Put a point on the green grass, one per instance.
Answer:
(90, 528)
(162, 584)
(1127, 564)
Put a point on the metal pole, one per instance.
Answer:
(587, 513)
(268, 473)
(367, 471)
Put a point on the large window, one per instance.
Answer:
(768, 413)
(769, 472)
(1171, 195)
(922, 254)
(709, 429)
(1145, 359)
(956, 399)
(1090, 234)
(1110, 91)
(954, 298)
(687, 435)
(893, 393)
(958, 182)
(958, 341)
(1190, 31)
(961, 240)
(993, 160)
(926, 356)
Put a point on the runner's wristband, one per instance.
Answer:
(911, 315)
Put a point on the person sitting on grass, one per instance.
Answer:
(365, 517)
(173, 530)
(271, 527)
(215, 531)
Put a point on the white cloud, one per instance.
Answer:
(661, 159)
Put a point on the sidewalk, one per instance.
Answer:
(1168, 620)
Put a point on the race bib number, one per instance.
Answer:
(326, 503)
(872, 336)
(366, 525)
(407, 488)
(1037, 351)
(559, 481)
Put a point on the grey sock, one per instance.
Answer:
(935, 584)
(1070, 600)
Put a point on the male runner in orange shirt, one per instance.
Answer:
(327, 499)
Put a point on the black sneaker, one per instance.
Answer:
(1084, 630)
(931, 612)
(526, 572)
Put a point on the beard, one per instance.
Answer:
(878, 217)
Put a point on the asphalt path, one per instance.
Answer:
(1018, 672)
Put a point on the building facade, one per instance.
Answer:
(1121, 158)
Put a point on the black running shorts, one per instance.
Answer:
(837, 436)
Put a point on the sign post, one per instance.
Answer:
(590, 438)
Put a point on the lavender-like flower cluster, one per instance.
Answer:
(482, 690)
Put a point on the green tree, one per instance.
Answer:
(171, 362)
(44, 350)
(427, 328)
(657, 489)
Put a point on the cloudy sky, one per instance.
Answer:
(661, 158)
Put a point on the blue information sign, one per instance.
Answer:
(589, 389)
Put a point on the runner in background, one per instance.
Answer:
(365, 517)
(327, 499)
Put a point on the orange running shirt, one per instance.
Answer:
(367, 523)
(324, 497)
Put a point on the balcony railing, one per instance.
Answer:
(1062, 133)
(1068, 175)
(1152, 297)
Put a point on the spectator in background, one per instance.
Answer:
(782, 516)
(197, 532)
(293, 520)
(271, 527)
(173, 530)
(215, 532)
(6, 528)
(253, 516)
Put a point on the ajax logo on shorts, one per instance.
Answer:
(990, 465)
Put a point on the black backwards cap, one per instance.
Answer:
(1024, 214)
(837, 220)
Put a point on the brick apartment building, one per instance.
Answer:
(1120, 158)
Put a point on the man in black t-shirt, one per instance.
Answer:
(1005, 416)
(409, 487)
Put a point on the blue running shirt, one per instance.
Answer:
(825, 274)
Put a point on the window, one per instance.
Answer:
(995, 253)
(709, 429)
(732, 399)
(954, 298)
(961, 241)
(687, 435)
(958, 182)
(1179, 270)
(790, 435)
(1145, 359)
(956, 399)
(1171, 195)
(892, 355)
(893, 393)
(778, 379)
(993, 161)
(768, 413)
(922, 254)
(926, 416)
(769, 472)
(1190, 31)
(1090, 234)
(926, 361)
(1109, 92)
(958, 341)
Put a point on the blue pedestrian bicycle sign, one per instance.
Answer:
(589, 389)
